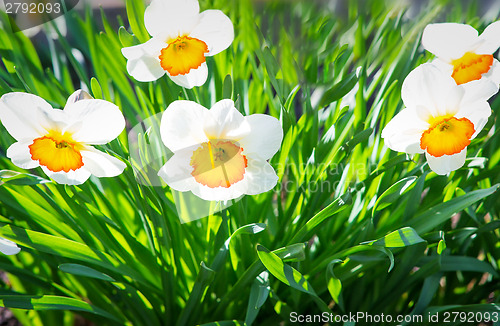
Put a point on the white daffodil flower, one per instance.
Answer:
(440, 118)
(59, 140)
(462, 53)
(8, 247)
(181, 39)
(219, 154)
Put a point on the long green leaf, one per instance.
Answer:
(52, 302)
(438, 214)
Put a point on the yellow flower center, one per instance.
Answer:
(183, 54)
(56, 151)
(447, 136)
(471, 67)
(218, 163)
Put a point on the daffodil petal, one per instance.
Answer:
(195, 77)
(477, 112)
(479, 90)
(215, 29)
(489, 41)
(494, 73)
(226, 123)
(101, 164)
(217, 194)
(25, 116)
(453, 99)
(182, 125)
(259, 177)
(446, 68)
(428, 87)
(265, 138)
(151, 48)
(445, 164)
(145, 69)
(403, 132)
(8, 247)
(449, 41)
(94, 121)
(177, 171)
(73, 177)
(171, 18)
(20, 155)
(143, 60)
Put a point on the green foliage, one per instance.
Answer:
(351, 226)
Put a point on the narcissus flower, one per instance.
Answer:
(462, 53)
(181, 39)
(59, 140)
(8, 247)
(219, 154)
(440, 118)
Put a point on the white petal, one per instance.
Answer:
(445, 67)
(446, 163)
(215, 29)
(20, 155)
(489, 40)
(219, 193)
(182, 125)
(195, 77)
(477, 112)
(427, 86)
(8, 247)
(265, 137)
(403, 132)
(449, 41)
(25, 116)
(143, 60)
(145, 69)
(152, 47)
(73, 177)
(259, 177)
(94, 121)
(177, 171)
(453, 100)
(226, 123)
(494, 73)
(479, 90)
(101, 164)
(171, 18)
